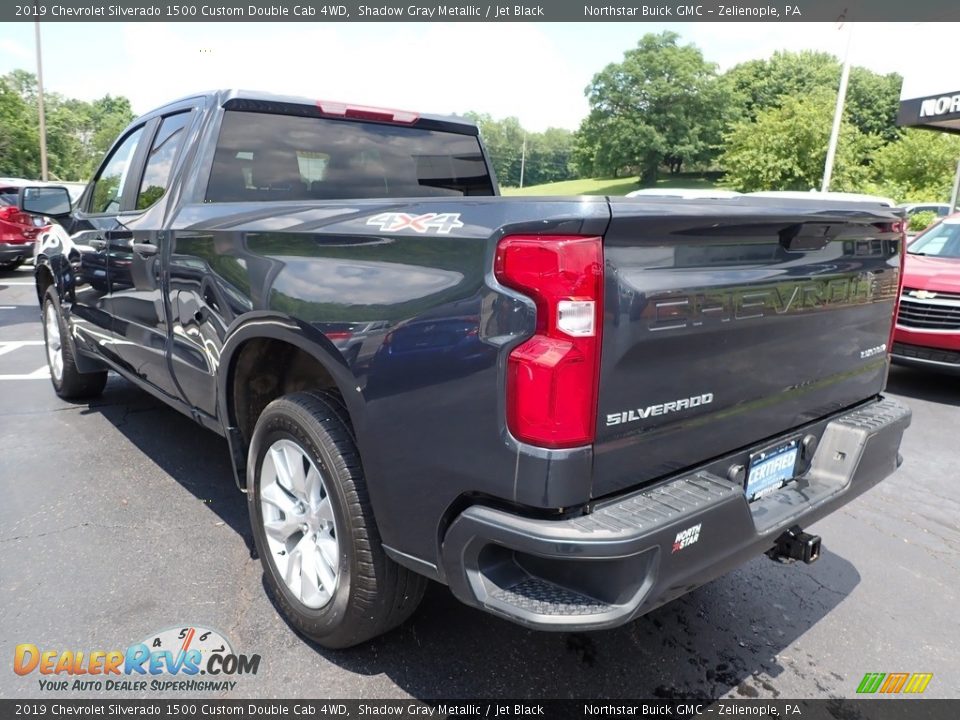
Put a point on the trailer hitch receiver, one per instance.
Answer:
(795, 544)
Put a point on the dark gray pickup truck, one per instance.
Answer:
(568, 410)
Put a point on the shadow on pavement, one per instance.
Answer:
(196, 458)
(727, 636)
(922, 384)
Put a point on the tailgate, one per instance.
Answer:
(731, 321)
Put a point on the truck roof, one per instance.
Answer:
(219, 98)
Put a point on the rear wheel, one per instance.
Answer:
(68, 382)
(11, 264)
(314, 527)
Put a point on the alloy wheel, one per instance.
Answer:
(298, 522)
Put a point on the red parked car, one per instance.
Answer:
(928, 324)
(18, 231)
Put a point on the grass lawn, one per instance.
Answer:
(608, 186)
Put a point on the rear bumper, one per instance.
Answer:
(634, 553)
(11, 251)
(927, 356)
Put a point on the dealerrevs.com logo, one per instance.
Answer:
(168, 661)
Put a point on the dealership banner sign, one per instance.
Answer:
(474, 11)
(940, 111)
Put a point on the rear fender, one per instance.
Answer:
(274, 326)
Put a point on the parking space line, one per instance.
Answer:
(39, 374)
(16, 282)
(11, 345)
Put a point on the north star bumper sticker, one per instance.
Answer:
(440, 223)
(686, 538)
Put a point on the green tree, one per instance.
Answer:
(785, 148)
(549, 157)
(921, 221)
(69, 128)
(919, 167)
(548, 154)
(24, 84)
(109, 116)
(19, 141)
(78, 132)
(762, 84)
(663, 101)
(871, 103)
(503, 140)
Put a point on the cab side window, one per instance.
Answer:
(109, 183)
(156, 174)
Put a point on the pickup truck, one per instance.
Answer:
(568, 410)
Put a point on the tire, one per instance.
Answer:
(68, 382)
(11, 264)
(326, 494)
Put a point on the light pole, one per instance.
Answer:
(837, 116)
(43, 120)
(956, 189)
(523, 158)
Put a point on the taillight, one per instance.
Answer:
(339, 335)
(11, 214)
(898, 227)
(552, 377)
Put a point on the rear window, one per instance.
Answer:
(261, 156)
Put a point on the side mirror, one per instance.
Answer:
(51, 200)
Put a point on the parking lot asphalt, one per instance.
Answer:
(119, 518)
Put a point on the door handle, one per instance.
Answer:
(97, 243)
(144, 249)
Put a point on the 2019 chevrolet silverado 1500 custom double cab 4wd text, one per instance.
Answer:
(568, 410)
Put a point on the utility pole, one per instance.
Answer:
(956, 189)
(43, 120)
(837, 116)
(523, 158)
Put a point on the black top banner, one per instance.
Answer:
(426, 11)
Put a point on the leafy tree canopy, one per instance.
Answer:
(871, 103)
(78, 132)
(545, 157)
(785, 148)
(919, 167)
(662, 101)
(19, 141)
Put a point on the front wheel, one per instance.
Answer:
(11, 264)
(314, 528)
(68, 382)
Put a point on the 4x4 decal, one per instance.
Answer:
(441, 223)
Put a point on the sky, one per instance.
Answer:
(534, 71)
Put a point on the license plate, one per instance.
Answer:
(771, 469)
